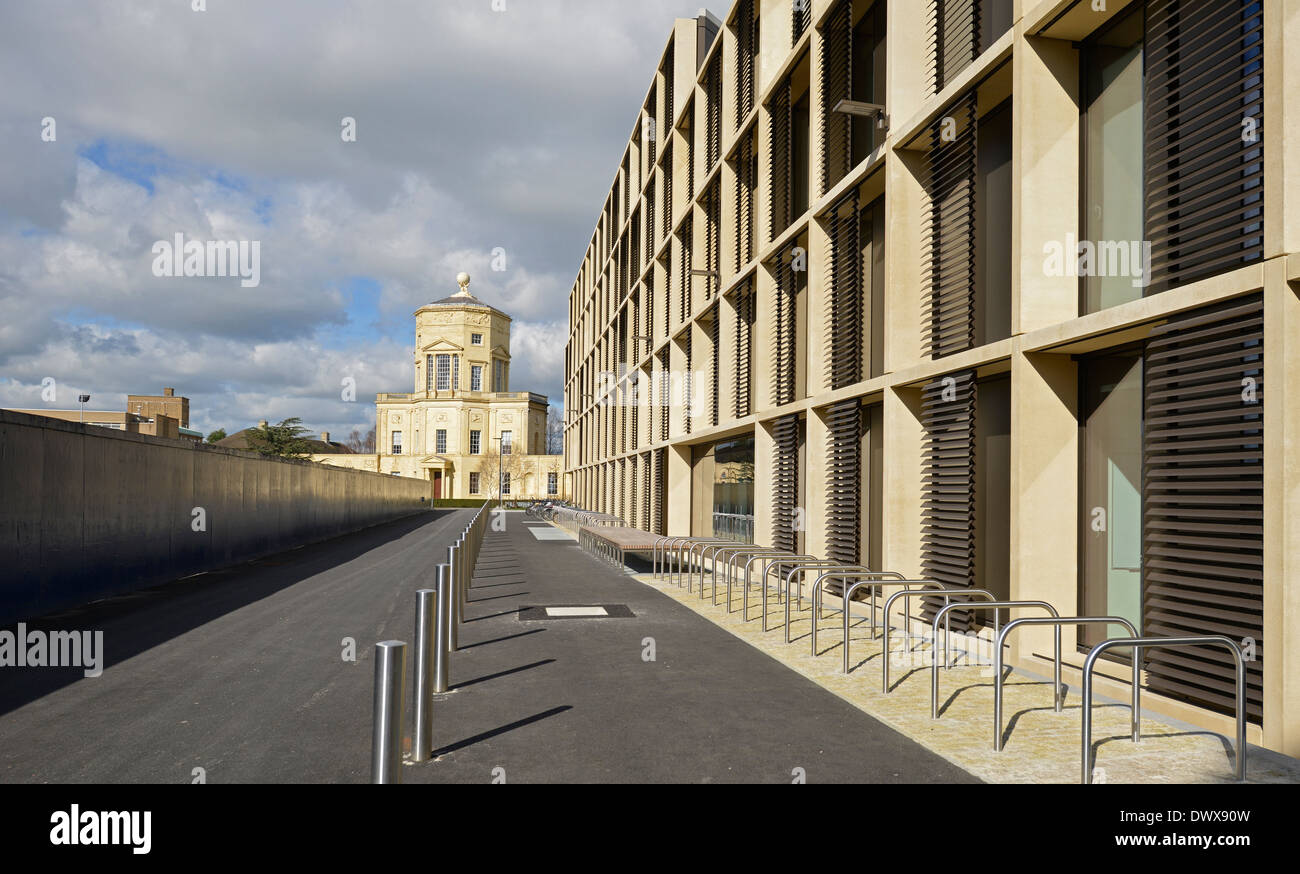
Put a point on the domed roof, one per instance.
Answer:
(463, 298)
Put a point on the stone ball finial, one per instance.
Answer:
(462, 279)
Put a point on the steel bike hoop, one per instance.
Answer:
(844, 576)
(995, 606)
(802, 571)
(1056, 623)
(1143, 643)
(911, 593)
(767, 560)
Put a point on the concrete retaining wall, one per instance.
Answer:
(87, 512)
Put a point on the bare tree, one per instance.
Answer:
(493, 469)
(554, 431)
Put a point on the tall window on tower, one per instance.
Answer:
(397, 443)
(440, 440)
(476, 377)
(498, 375)
(442, 372)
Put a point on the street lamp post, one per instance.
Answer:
(85, 399)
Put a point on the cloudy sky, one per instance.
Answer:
(476, 129)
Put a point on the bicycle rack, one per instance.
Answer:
(718, 549)
(778, 566)
(910, 593)
(1139, 644)
(1057, 697)
(843, 577)
(876, 585)
(995, 606)
(732, 568)
(801, 570)
(702, 544)
(768, 561)
(660, 556)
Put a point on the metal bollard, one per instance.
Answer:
(422, 738)
(390, 696)
(453, 623)
(442, 637)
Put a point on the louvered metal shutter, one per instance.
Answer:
(746, 183)
(688, 384)
(622, 488)
(801, 20)
(686, 239)
(713, 113)
(780, 178)
(669, 86)
(844, 302)
(647, 523)
(785, 483)
(664, 391)
(1203, 496)
(632, 484)
(713, 239)
(651, 227)
(1204, 153)
(950, 232)
(948, 505)
(746, 56)
(634, 409)
(652, 129)
(635, 260)
(668, 189)
(715, 358)
(661, 497)
(785, 331)
(836, 79)
(954, 39)
(844, 481)
(744, 347)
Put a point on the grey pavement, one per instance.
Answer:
(240, 673)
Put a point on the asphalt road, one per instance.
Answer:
(240, 673)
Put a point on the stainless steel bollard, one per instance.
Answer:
(442, 636)
(422, 738)
(390, 696)
(453, 571)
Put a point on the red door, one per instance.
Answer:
(437, 485)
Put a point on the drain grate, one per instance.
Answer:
(575, 611)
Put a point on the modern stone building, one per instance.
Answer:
(985, 291)
(462, 429)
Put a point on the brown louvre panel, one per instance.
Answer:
(744, 347)
(844, 481)
(785, 331)
(713, 113)
(668, 189)
(633, 503)
(948, 505)
(785, 484)
(651, 228)
(954, 39)
(780, 179)
(1204, 174)
(622, 488)
(688, 384)
(715, 358)
(713, 238)
(746, 185)
(950, 232)
(634, 409)
(684, 269)
(669, 87)
(663, 393)
(837, 73)
(746, 59)
(802, 20)
(844, 295)
(635, 260)
(647, 523)
(660, 497)
(1203, 499)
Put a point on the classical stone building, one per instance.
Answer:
(462, 428)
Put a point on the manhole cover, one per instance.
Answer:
(575, 611)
